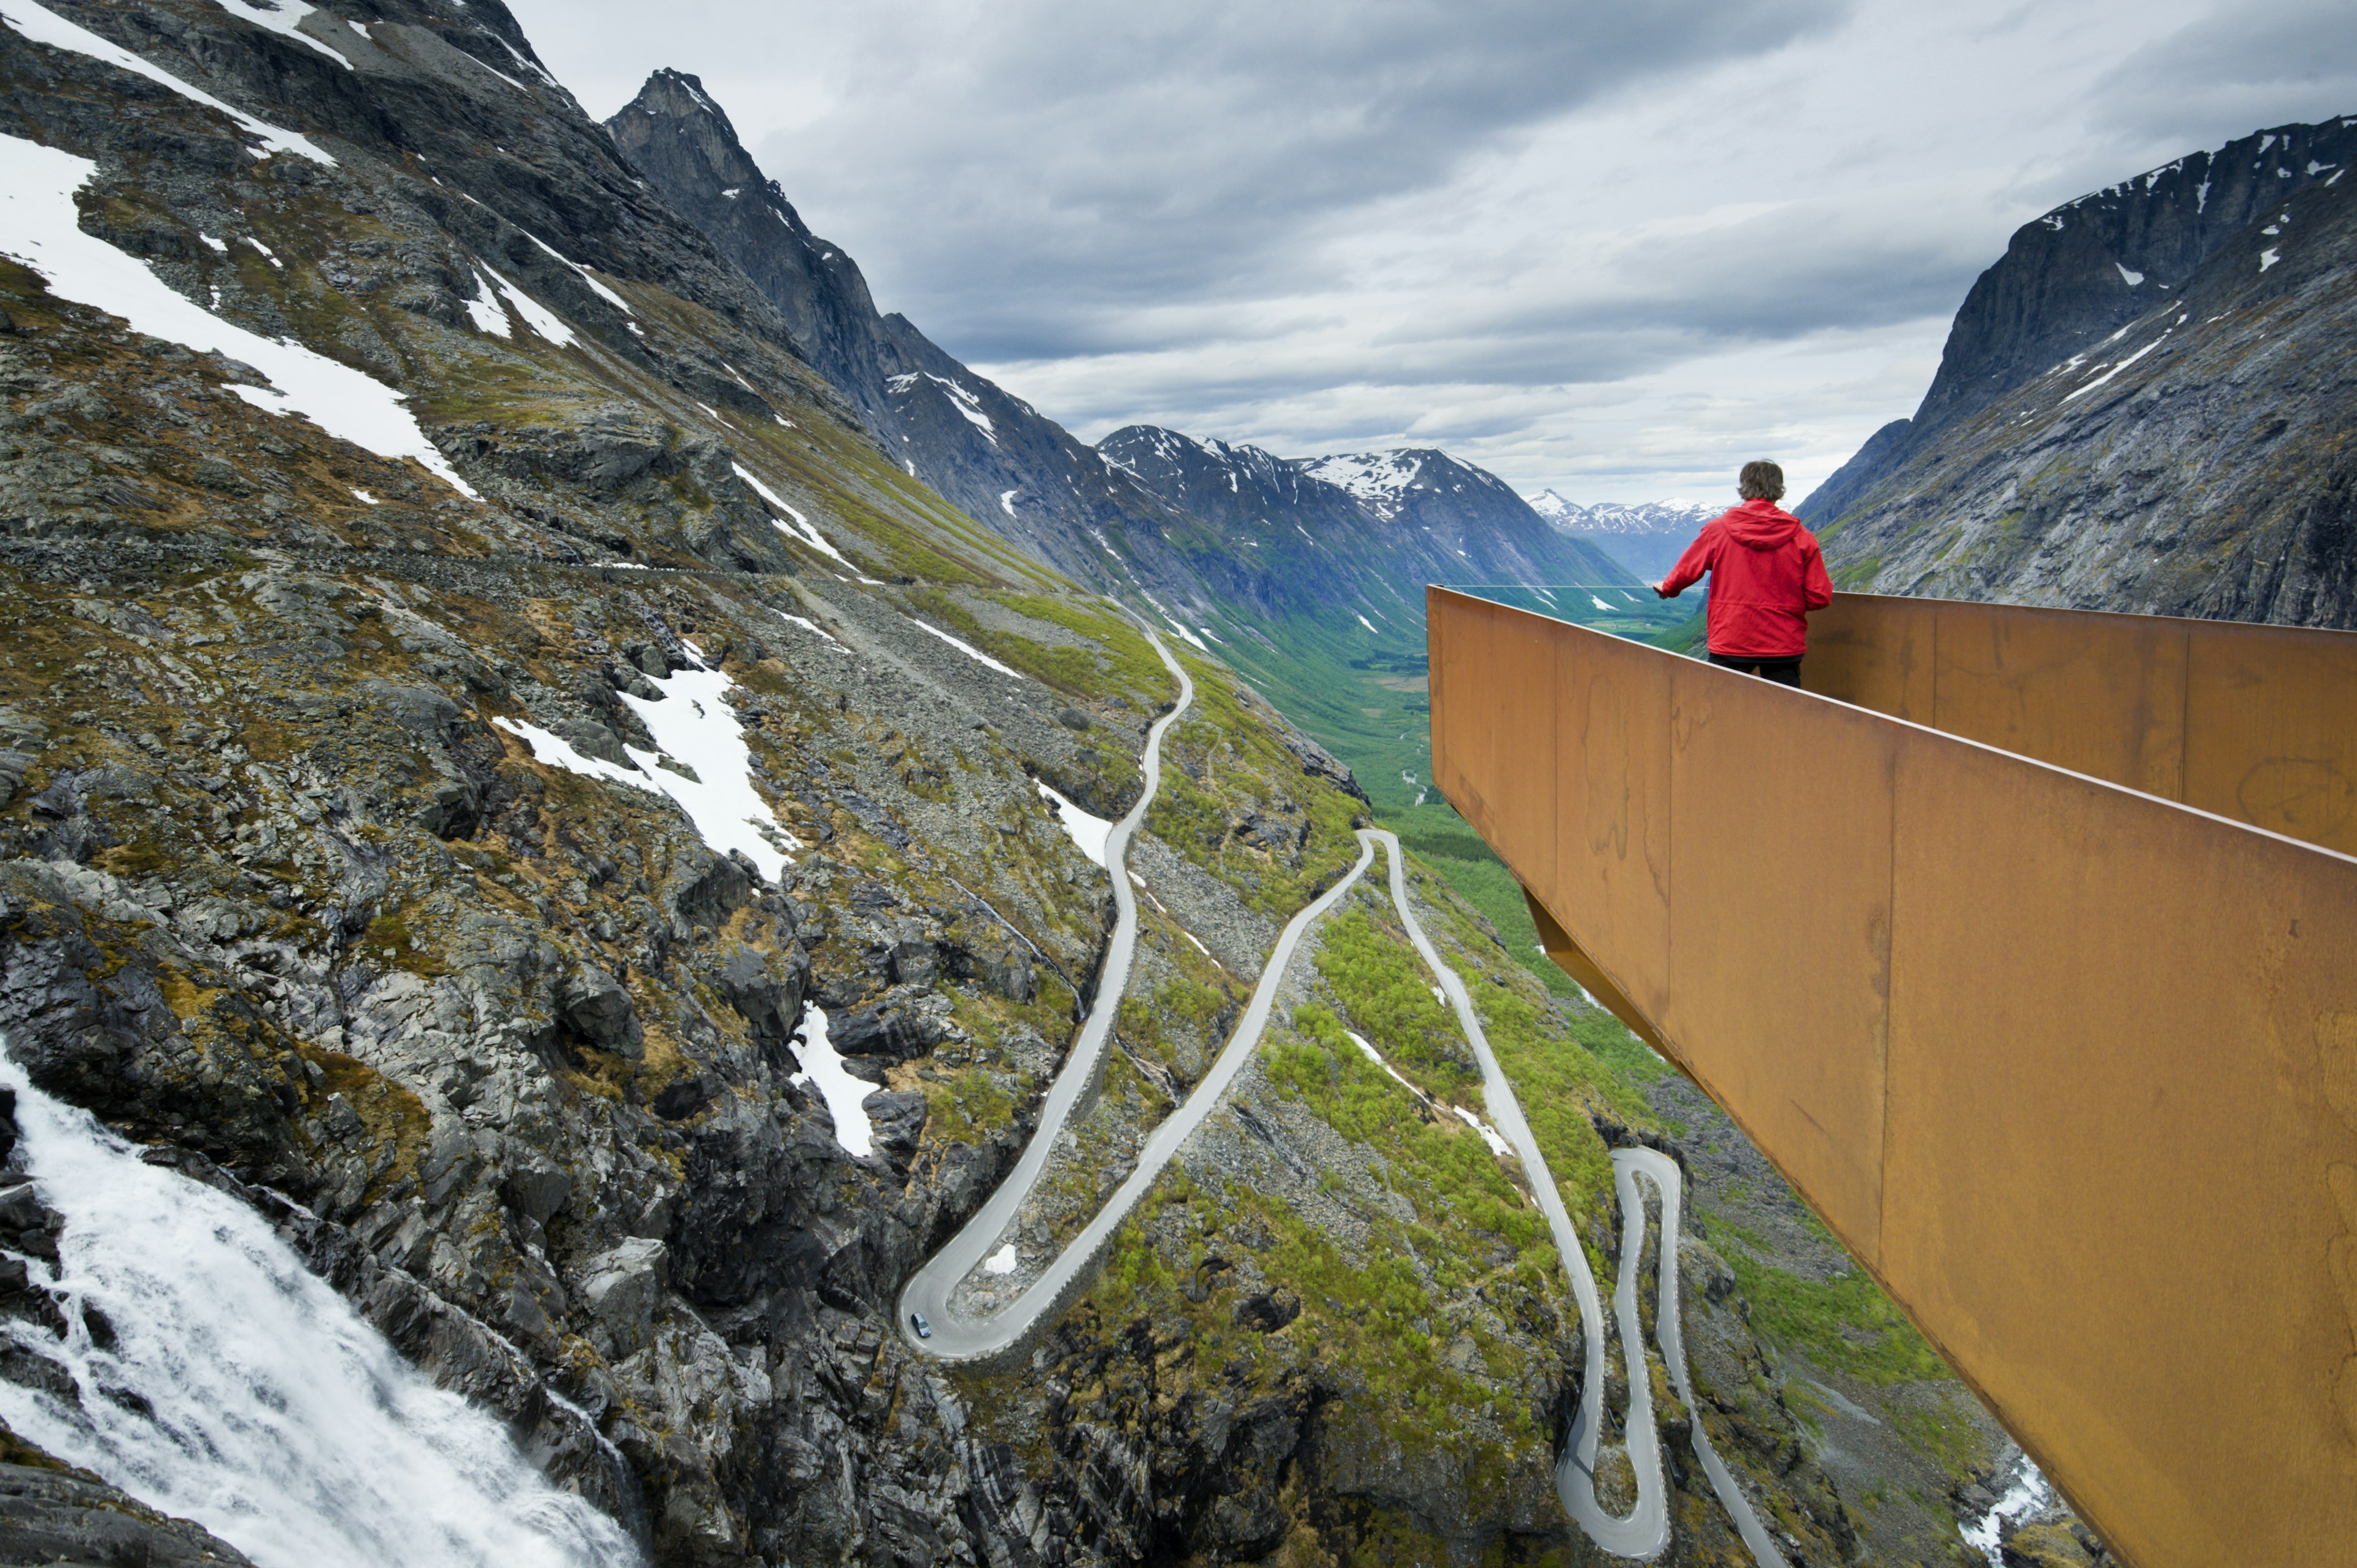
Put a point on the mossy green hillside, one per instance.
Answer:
(1842, 1321)
(1220, 763)
(1420, 1317)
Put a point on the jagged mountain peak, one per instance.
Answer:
(1395, 483)
(2081, 271)
(674, 104)
(1147, 452)
(2189, 459)
(1677, 516)
(675, 125)
(1550, 505)
(663, 80)
(1375, 479)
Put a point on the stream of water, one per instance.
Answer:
(2027, 1491)
(228, 1384)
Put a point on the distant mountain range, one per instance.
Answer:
(2142, 405)
(1361, 533)
(1646, 537)
(1307, 572)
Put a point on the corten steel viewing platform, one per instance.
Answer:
(2024, 942)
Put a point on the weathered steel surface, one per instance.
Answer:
(2256, 723)
(2072, 1069)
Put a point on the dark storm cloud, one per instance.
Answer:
(1076, 163)
(2242, 69)
(1572, 237)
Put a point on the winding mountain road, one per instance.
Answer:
(1645, 1532)
(956, 1337)
(1668, 1333)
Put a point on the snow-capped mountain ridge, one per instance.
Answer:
(1645, 537)
(1375, 479)
(1677, 516)
(2080, 273)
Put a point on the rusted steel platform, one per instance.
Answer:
(2030, 959)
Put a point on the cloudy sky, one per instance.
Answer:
(1614, 249)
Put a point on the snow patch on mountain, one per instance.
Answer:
(285, 20)
(40, 225)
(1375, 479)
(961, 399)
(1679, 517)
(44, 25)
(536, 315)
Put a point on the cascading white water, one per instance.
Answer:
(241, 1391)
(2027, 1492)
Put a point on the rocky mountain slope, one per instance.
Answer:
(2077, 274)
(1296, 569)
(523, 822)
(978, 445)
(1645, 537)
(2142, 407)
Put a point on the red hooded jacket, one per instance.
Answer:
(1766, 575)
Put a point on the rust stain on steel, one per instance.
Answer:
(1573, 960)
(2256, 723)
(2070, 1068)
(1779, 914)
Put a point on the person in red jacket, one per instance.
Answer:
(1766, 575)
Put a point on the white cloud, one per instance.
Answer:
(1607, 248)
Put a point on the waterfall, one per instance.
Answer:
(2028, 1492)
(228, 1384)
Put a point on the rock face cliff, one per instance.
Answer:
(520, 815)
(2141, 407)
(1196, 531)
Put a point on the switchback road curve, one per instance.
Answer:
(954, 1336)
(1645, 1532)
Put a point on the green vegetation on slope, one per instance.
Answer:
(1391, 999)
(1842, 1321)
(1685, 637)
(1367, 699)
(1471, 868)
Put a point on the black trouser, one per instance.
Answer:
(1783, 671)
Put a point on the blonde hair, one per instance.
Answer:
(1761, 481)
